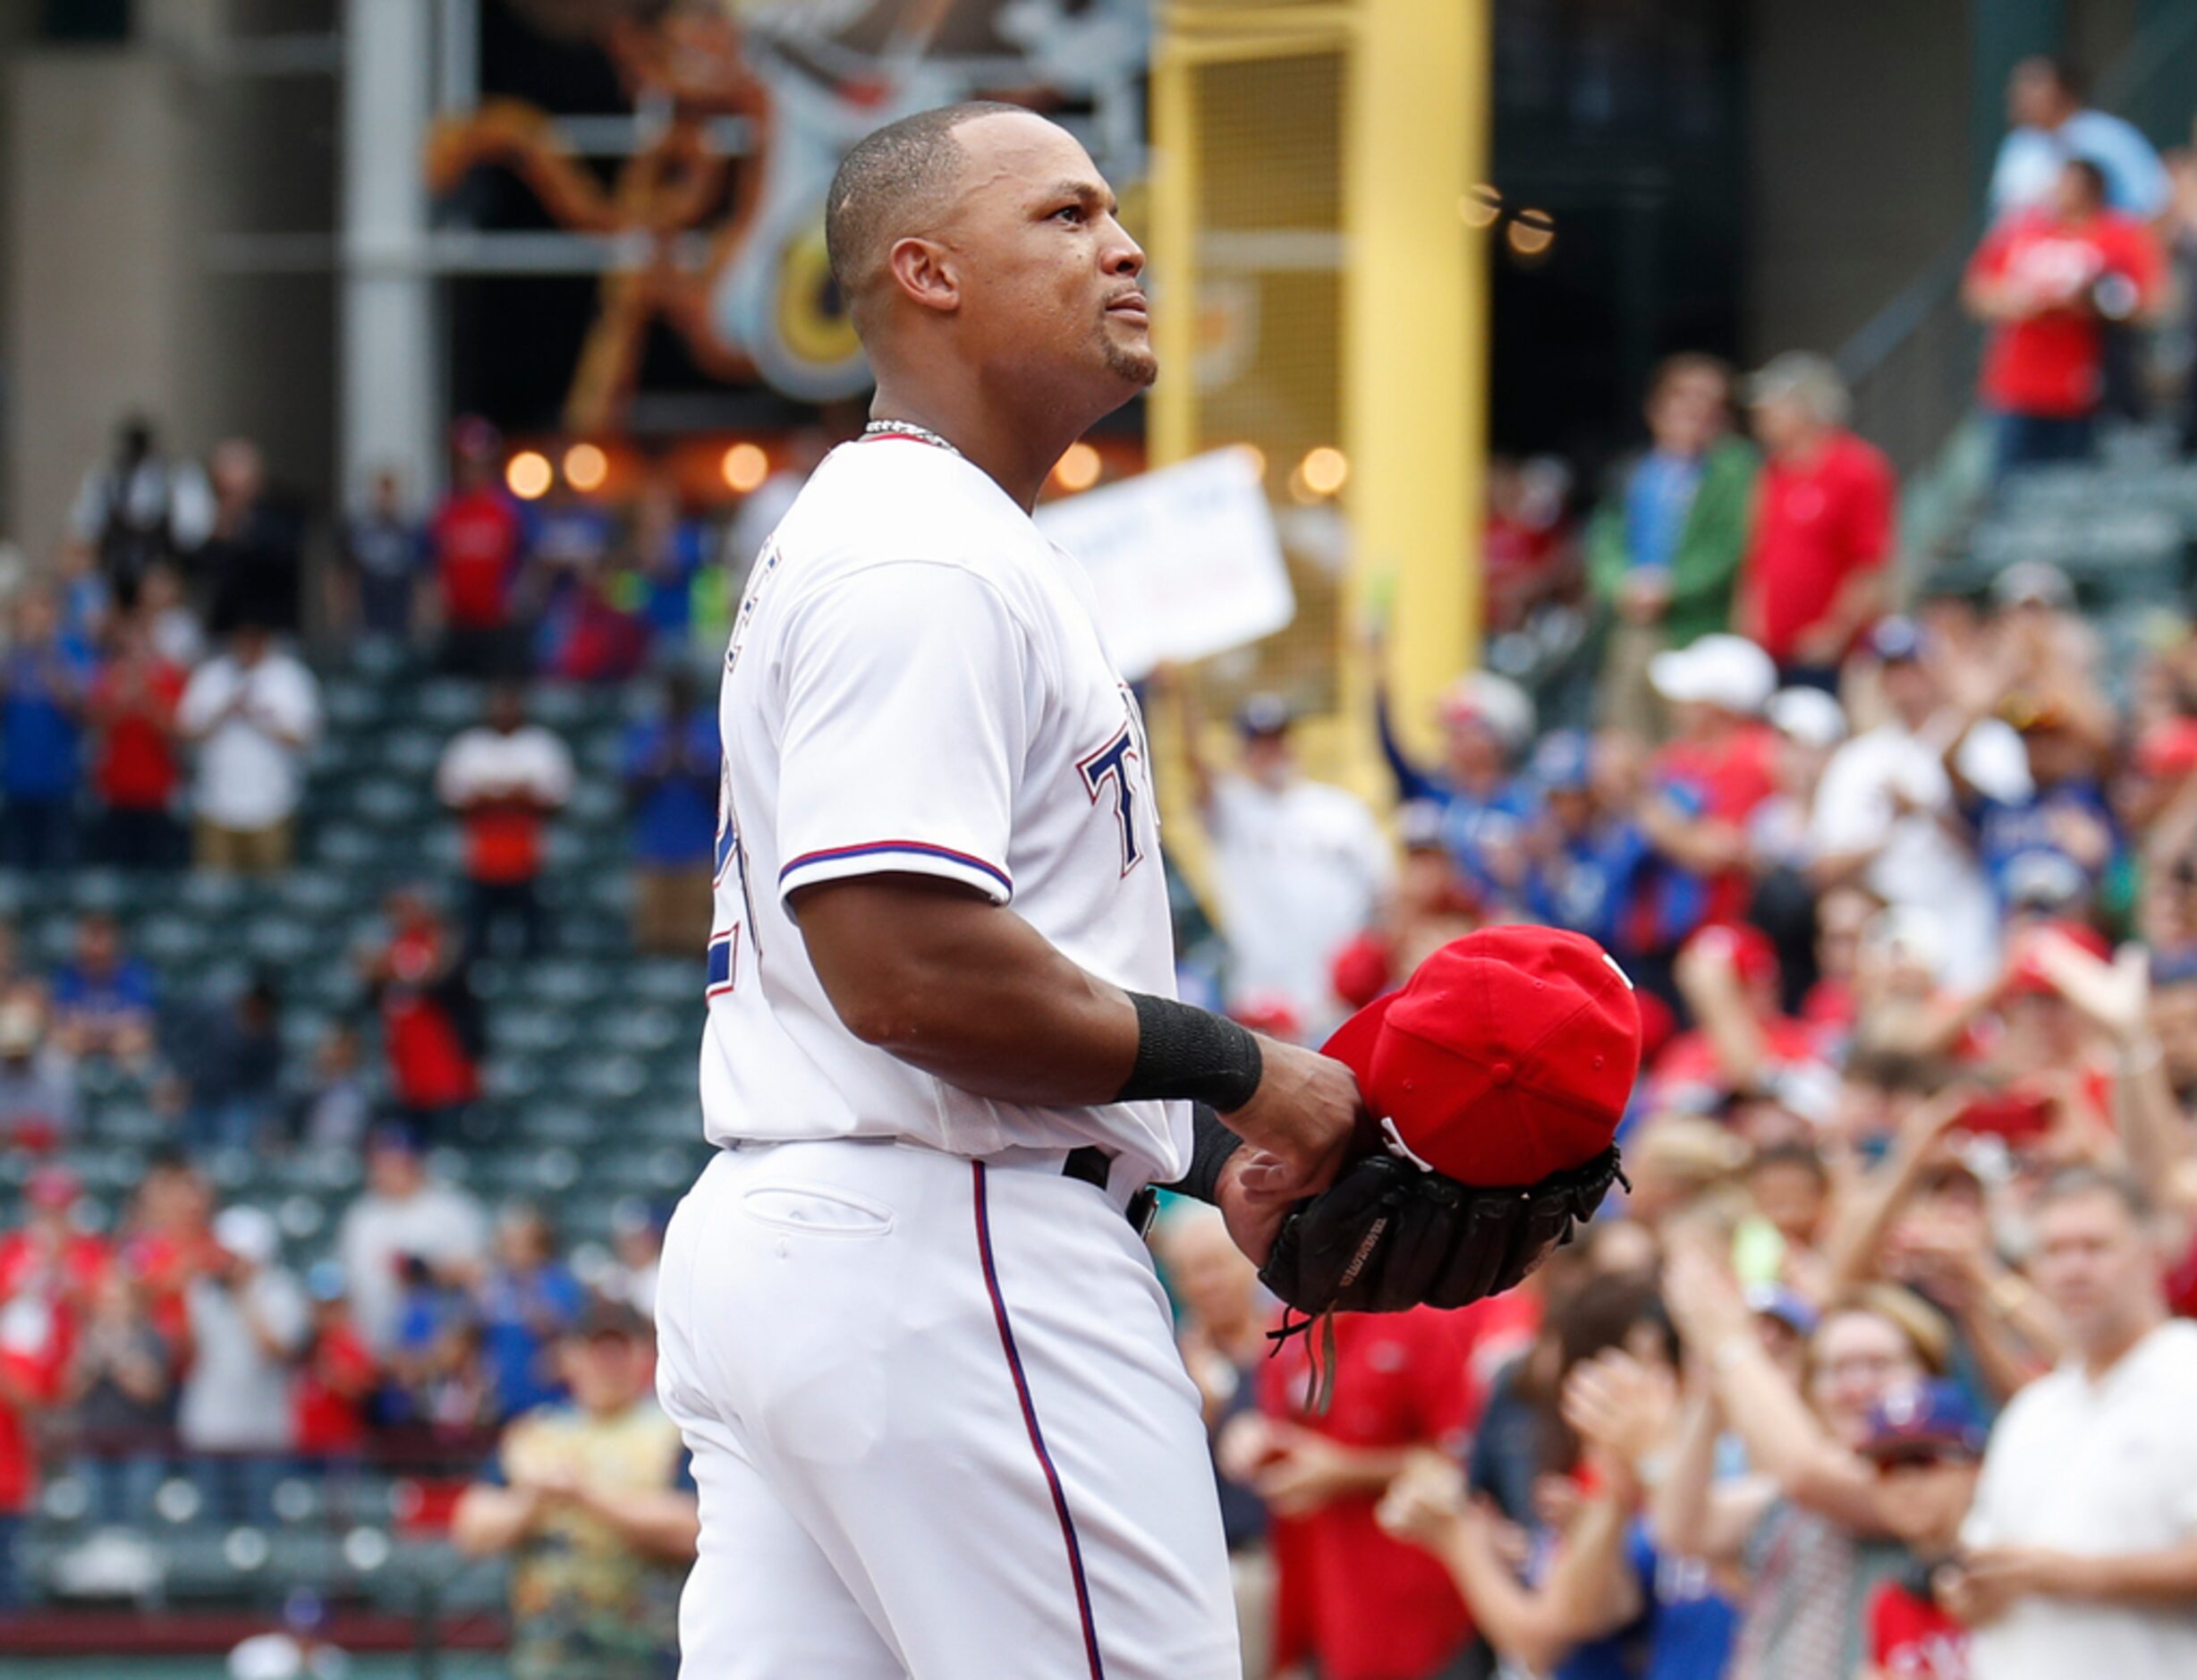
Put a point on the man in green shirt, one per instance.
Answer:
(1664, 546)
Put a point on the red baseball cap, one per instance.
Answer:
(1508, 1055)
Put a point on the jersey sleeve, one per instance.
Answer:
(907, 689)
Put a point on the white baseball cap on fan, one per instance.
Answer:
(1729, 672)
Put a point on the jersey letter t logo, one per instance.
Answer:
(1111, 763)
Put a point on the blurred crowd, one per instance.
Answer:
(179, 1367)
(1912, 914)
(1882, 1368)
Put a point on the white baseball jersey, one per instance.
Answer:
(915, 683)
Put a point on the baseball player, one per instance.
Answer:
(938, 1423)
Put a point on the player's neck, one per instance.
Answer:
(1006, 447)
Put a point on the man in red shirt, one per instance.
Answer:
(336, 1375)
(1360, 1605)
(430, 1025)
(47, 1272)
(1812, 581)
(505, 779)
(477, 541)
(132, 712)
(2050, 282)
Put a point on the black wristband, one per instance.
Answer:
(1187, 1053)
(1211, 1144)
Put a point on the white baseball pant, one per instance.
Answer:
(939, 1427)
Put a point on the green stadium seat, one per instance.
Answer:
(561, 706)
(172, 940)
(555, 1122)
(449, 704)
(345, 845)
(650, 1028)
(350, 704)
(597, 803)
(519, 1028)
(511, 1079)
(412, 753)
(562, 980)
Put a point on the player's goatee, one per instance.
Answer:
(1138, 366)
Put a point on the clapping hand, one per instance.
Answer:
(1427, 1504)
(1621, 1408)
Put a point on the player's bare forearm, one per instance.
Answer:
(937, 975)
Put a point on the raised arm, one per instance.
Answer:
(1690, 1512)
(1412, 782)
(1783, 1437)
(1876, 1200)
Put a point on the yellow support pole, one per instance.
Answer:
(1171, 410)
(1414, 345)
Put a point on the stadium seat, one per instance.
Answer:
(449, 704)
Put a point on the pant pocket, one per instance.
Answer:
(815, 1209)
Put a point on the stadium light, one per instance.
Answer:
(1532, 233)
(1325, 469)
(1481, 207)
(586, 467)
(528, 475)
(744, 467)
(1078, 469)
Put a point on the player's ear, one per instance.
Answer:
(924, 271)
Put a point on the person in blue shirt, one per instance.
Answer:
(527, 1302)
(1588, 856)
(103, 1000)
(1486, 810)
(385, 553)
(45, 679)
(2048, 123)
(670, 769)
(2057, 843)
(662, 553)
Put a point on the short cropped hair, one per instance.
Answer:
(1687, 364)
(2084, 1180)
(889, 176)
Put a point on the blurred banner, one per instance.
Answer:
(1186, 561)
